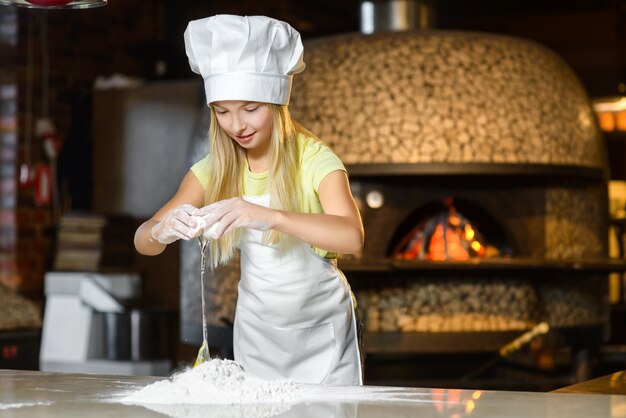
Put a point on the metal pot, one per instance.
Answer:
(138, 334)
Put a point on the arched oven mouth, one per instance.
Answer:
(450, 229)
(500, 204)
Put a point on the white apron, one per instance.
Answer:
(295, 314)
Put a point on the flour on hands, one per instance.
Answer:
(227, 215)
(179, 223)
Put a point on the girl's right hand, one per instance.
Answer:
(179, 223)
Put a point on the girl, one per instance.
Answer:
(271, 189)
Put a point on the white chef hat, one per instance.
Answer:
(244, 57)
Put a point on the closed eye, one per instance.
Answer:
(252, 109)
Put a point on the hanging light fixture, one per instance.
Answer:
(611, 113)
(55, 4)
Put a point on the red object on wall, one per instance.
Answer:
(10, 352)
(43, 184)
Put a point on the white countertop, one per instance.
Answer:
(36, 394)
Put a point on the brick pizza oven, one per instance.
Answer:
(497, 132)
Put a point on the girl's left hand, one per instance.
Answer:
(226, 215)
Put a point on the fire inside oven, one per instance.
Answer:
(450, 229)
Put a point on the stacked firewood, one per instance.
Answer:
(449, 306)
(456, 305)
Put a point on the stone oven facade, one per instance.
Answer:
(494, 122)
(445, 97)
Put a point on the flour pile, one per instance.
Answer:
(216, 382)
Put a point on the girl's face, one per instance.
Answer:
(247, 123)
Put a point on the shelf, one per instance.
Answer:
(509, 265)
(436, 342)
(543, 171)
(468, 342)
(7, 336)
(616, 137)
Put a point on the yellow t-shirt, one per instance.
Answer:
(317, 161)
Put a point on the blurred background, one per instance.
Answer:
(100, 118)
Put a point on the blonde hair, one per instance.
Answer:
(226, 171)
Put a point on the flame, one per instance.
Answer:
(449, 247)
(454, 219)
(447, 235)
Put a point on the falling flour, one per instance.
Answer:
(216, 382)
(4, 406)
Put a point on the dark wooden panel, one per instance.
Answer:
(141, 143)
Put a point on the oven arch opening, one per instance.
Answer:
(450, 229)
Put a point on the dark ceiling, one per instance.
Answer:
(590, 35)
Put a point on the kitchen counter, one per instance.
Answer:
(37, 394)
(613, 384)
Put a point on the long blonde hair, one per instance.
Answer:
(226, 171)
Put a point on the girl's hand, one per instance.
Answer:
(179, 223)
(226, 215)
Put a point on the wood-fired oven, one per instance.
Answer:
(481, 179)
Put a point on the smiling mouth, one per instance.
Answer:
(244, 137)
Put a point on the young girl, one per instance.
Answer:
(271, 189)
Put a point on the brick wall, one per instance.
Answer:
(75, 46)
(8, 145)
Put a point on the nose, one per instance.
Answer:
(238, 124)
